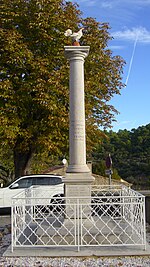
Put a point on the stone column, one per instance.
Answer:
(77, 141)
(78, 177)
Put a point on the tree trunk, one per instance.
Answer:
(22, 160)
(6, 175)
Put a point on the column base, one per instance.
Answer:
(78, 191)
(77, 169)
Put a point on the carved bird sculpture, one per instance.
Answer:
(74, 35)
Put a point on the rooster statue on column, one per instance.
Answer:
(74, 35)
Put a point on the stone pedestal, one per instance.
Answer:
(78, 177)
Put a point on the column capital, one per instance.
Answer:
(76, 51)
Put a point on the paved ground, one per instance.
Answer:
(72, 252)
(5, 220)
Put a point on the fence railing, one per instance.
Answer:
(113, 216)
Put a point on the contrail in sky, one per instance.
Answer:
(131, 61)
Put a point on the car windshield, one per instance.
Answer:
(10, 182)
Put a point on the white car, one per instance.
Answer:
(54, 184)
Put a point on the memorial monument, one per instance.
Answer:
(78, 177)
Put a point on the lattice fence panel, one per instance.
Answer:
(112, 217)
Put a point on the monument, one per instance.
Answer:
(78, 177)
(113, 219)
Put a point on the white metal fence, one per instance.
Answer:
(114, 216)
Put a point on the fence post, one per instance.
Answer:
(12, 228)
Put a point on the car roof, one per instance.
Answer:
(40, 175)
(35, 175)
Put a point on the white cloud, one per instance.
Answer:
(114, 3)
(86, 2)
(91, 3)
(141, 34)
(138, 2)
(110, 4)
(116, 47)
(107, 4)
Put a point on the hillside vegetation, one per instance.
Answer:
(130, 152)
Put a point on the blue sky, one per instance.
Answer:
(130, 26)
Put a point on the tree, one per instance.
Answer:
(34, 77)
(130, 151)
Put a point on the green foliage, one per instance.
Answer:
(99, 167)
(130, 152)
(34, 78)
